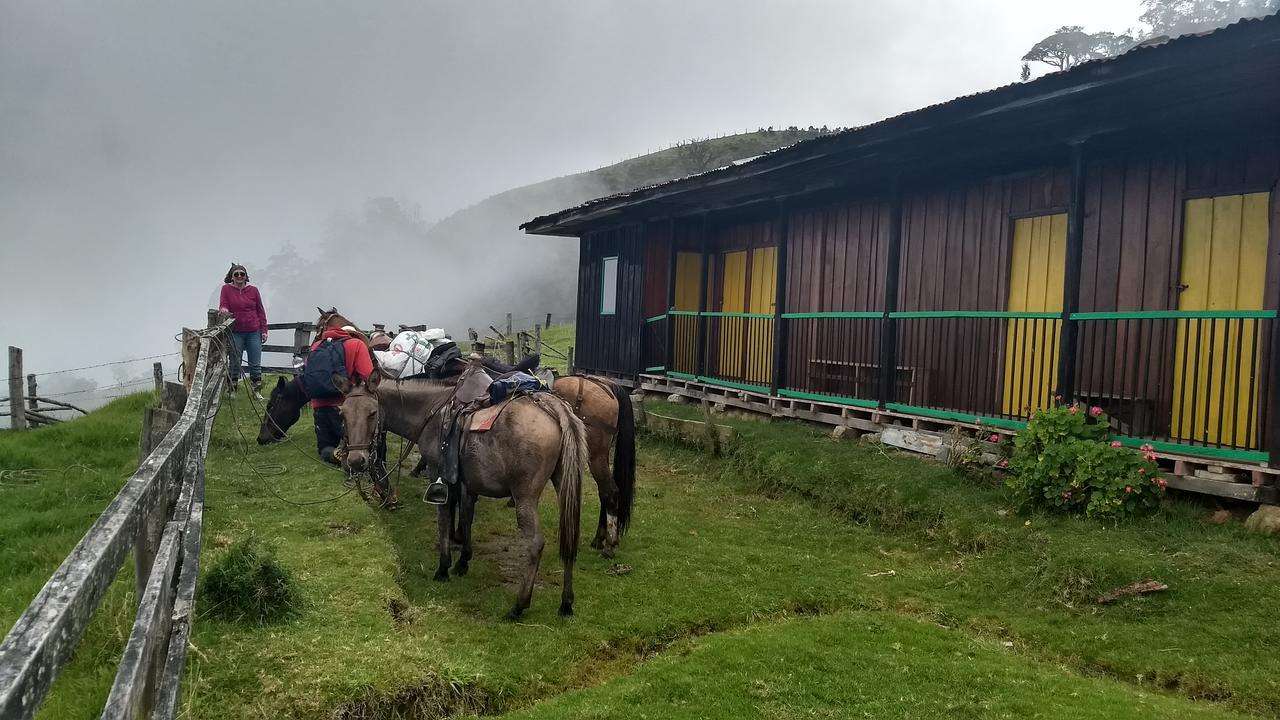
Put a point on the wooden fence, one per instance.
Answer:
(158, 514)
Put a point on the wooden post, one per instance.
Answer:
(672, 258)
(780, 301)
(703, 292)
(511, 352)
(474, 337)
(157, 374)
(302, 338)
(1071, 282)
(547, 324)
(889, 325)
(509, 332)
(17, 408)
(214, 317)
(32, 402)
(569, 360)
(537, 338)
(190, 354)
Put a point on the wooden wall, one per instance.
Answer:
(610, 342)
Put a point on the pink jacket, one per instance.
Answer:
(245, 305)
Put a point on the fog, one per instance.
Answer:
(146, 145)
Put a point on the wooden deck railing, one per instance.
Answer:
(158, 514)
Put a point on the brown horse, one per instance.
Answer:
(534, 439)
(605, 408)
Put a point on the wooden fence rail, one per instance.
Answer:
(158, 514)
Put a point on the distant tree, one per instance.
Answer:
(696, 155)
(1180, 17)
(1070, 45)
(1026, 72)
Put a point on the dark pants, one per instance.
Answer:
(328, 431)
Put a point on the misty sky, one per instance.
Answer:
(144, 145)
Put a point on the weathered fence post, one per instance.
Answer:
(157, 374)
(190, 353)
(17, 408)
(474, 338)
(547, 324)
(32, 402)
(569, 360)
(214, 317)
(510, 344)
(301, 338)
(537, 338)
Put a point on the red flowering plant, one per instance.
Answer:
(1064, 461)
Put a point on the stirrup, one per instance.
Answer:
(437, 493)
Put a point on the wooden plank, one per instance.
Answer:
(132, 692)
(1237, 491)
(1133, 234)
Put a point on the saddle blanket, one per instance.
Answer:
(484, 418)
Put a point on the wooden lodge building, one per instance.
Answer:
(1109, 234)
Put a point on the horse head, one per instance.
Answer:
(360, 419)
(284, 407)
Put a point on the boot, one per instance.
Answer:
(257, 388)
(437, 493)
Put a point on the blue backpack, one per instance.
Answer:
(322, 364)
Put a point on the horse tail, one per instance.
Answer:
(568, 478)
(624, 456)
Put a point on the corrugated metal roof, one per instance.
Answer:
(1014, 92)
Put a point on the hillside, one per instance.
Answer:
(475, 264)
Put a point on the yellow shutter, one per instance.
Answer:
(1036, 276)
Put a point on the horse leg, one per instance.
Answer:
(444, 523)
(466, 515)
(606, 539)
(531, 528)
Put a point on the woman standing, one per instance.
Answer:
(242, 301)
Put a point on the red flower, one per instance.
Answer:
(994, 438)
(1095, 411)
(1163, 482)
(1115, 443)
(1074, 409)
(1002, 464)
(977, 421)
(1128, 489)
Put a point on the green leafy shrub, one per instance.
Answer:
(249, 584)
(1064, 462)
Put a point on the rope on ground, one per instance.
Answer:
(29, 476)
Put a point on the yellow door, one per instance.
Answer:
(688, 290)
(762, 300)
(733, 299)
(1036, 278)
(1224, 262)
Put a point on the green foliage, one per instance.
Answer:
(1062, 462)
(248, 584)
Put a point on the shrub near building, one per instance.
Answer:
(1065, 461)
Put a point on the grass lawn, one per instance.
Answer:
(82, 464)
(796, 577)
(799, 577)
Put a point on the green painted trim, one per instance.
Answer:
(682, 312)
(976, 314)
(858, 402)
(962, 417)
(737, 315)
(1177, 315)
(1253, 456)
(734, 385)
(821, 315)
(656, 318)
(656, 368)
(682, 376)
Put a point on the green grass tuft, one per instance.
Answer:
(249, 584)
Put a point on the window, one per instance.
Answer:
(609, 286)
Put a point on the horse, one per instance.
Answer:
(534, 439)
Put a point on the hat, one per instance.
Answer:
(234, 268)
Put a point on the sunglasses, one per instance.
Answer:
(239, 274)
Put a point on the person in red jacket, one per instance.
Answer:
(328, 420)
(242, 301)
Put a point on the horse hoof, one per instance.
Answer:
(597, 543)
(460, 569)
(608, 551)
(566, 609)
(441, 576)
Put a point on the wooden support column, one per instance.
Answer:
(157, 374)
(32, 392)
(703, 294)
(17, 408)
(889, 325)
(1071, 285)
(780, 232)
(672, 257)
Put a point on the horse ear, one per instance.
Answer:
(373, 380)
(279, 382)
(319, 310)
(342, 383)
